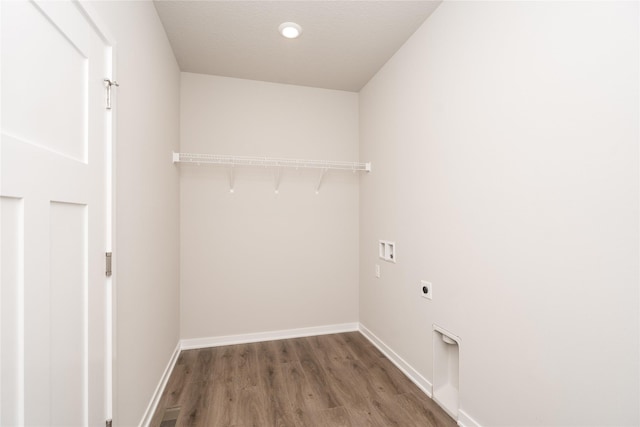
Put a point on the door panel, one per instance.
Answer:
(47, 72)
(68, 284)
(53, 193)
(11, 327)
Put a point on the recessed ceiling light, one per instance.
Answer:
(290, 30)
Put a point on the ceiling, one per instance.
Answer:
(343, 44)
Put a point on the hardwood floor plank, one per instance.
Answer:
(223, 407)
(194, 404)
(284, 351)
(253, 412)
(266, 352)
(246, 366)
(389, 410)
(350, 390)
(339, 345)
(424, 410)
(315, 375)
(365, 417)
(326, 347)
(225, 364)
(335, 417)
(181, 375)
(302, 399)
(177, 382)
(361, 349)
(274, 394)
(202, 365)
(388, 379)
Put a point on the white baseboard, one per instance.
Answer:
(192, 343)
(464, 420)
(157, 394)
(422, 383)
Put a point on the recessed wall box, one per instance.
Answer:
(387, 250)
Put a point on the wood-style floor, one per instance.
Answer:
(328, 380)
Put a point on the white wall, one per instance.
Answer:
(504, 142)
(254, 261)
(147, 217)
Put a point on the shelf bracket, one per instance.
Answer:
(277, 175)
(322, 172)
(232, 175)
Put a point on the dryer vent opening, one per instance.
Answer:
(446, 370)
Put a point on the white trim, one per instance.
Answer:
(95, 19)
(102, 30)
(464, 420)
(157, 394)
(193, 343)
(411, 373)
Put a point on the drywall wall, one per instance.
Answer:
(147, 204)
(256, 261)
(504, 139)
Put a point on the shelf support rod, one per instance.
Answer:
(323, 171)
(278, 175)
(232, 170)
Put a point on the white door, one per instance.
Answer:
(54, 159)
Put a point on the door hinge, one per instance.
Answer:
(108, 423)
(108, 263)
(107, 84)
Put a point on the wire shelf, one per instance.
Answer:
(217, 159)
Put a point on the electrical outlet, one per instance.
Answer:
(378, 271)
(426, 289)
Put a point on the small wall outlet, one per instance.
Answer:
(378, 271)
(426, 289)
